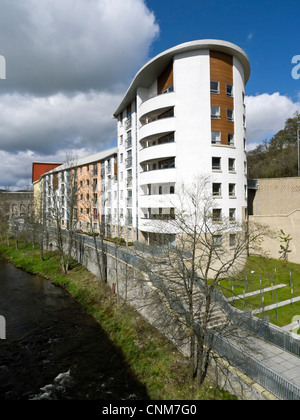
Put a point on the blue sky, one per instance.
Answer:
(267, 30)
(69, 63)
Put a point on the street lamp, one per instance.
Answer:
(298, 141)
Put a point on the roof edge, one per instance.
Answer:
(142, 75)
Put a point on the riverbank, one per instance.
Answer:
(153, 359)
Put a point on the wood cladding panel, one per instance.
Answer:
(165, 80)
(221, 70)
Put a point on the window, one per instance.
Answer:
(229, 90)
(121, 139)
(214, 87)
(231, 164)
(216, 163)
(232, 240)
(230, 139)
(169, 89)
(121, 158)
(167, 114)
(166, 164)
(217, 189)
(215, 112)
(215, 137)
(160, 190)
(229, 114)
(172, 190)
(217, 215)
(88, 167)
(217, 241)
(231, 190)
(232, 213)
(166, 139)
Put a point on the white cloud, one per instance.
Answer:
(73, 45)
(266, 115)
(68, 65)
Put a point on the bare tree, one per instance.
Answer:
(208, 248)
(62, 192)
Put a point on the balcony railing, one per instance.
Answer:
(128, 123)
(128, 143)
(128, 162)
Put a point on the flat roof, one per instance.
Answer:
(153, 68)
(85, 160)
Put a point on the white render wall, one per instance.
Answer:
(192, 149)
(193, 135)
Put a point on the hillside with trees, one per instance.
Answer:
(279, 156)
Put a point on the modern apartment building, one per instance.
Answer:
(87, 187)
(183, 116)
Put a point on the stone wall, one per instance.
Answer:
(276, 204)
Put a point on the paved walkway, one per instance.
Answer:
(283, 303)
(256, 292)
(279, 360)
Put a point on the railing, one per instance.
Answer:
(128, 143)
(128, 162)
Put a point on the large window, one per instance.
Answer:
(214, 87)
(215, 137)
(229, 90)
(230, 140)
(217, 241)
(216, 163)
(232, 215)
(229, 114)
(216, 189)
(217, 215)
(231, 164)
(215, 112)
(231, 190)
(165, 164)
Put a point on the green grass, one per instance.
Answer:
(152, 358)
(260, 273)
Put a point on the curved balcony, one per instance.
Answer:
(157, 226)
(158, 102)
(156, 152)
(158, 176)
(164, 125)
(162, 200)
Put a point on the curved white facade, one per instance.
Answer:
(184, 114)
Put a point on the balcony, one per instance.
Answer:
(128, 123)
(158, 102)
(128, 162)
(160, 126)
(128, 143)
(157, 176)
(157, 200)
(159, 151)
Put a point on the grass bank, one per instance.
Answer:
(265, 273)
(152, 358)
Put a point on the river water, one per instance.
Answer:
(53, 350)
